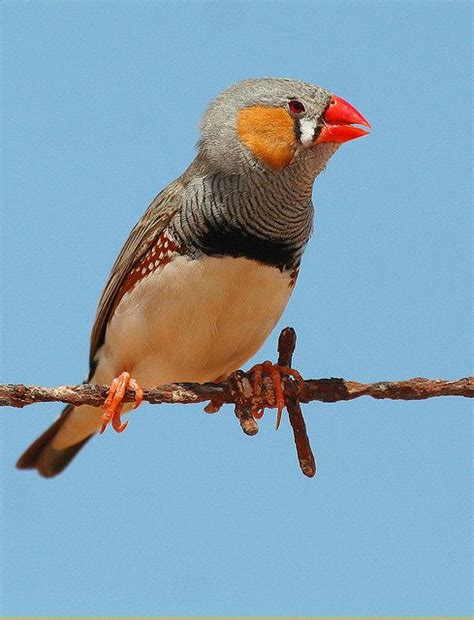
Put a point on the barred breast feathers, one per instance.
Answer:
(263, 215)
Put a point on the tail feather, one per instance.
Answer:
(43, 457)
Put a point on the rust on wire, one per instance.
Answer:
(249, 402)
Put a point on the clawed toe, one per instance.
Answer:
(113, 403)
(276, 373)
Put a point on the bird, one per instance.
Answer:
(207, 271)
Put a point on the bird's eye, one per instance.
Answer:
(296, 107)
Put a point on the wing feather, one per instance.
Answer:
(141, 239)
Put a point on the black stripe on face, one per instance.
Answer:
(297, 129)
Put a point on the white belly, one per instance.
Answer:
(190, 321)
(193, 320)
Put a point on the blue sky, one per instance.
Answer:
(183, 514)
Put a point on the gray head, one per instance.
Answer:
(270, 123)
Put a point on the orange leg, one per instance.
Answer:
(216, 403)
(213, 406)
(276, 373)
(113, 402)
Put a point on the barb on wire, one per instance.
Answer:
(237, 389)
(324, 390)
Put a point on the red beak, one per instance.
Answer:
(339, 117)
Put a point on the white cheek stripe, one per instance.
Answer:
(307, 127)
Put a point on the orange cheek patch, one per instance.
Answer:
(269, 133)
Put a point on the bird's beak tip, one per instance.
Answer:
(340, 118)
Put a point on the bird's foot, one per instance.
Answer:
(113, 403)
(276, 373)
(214, 405)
